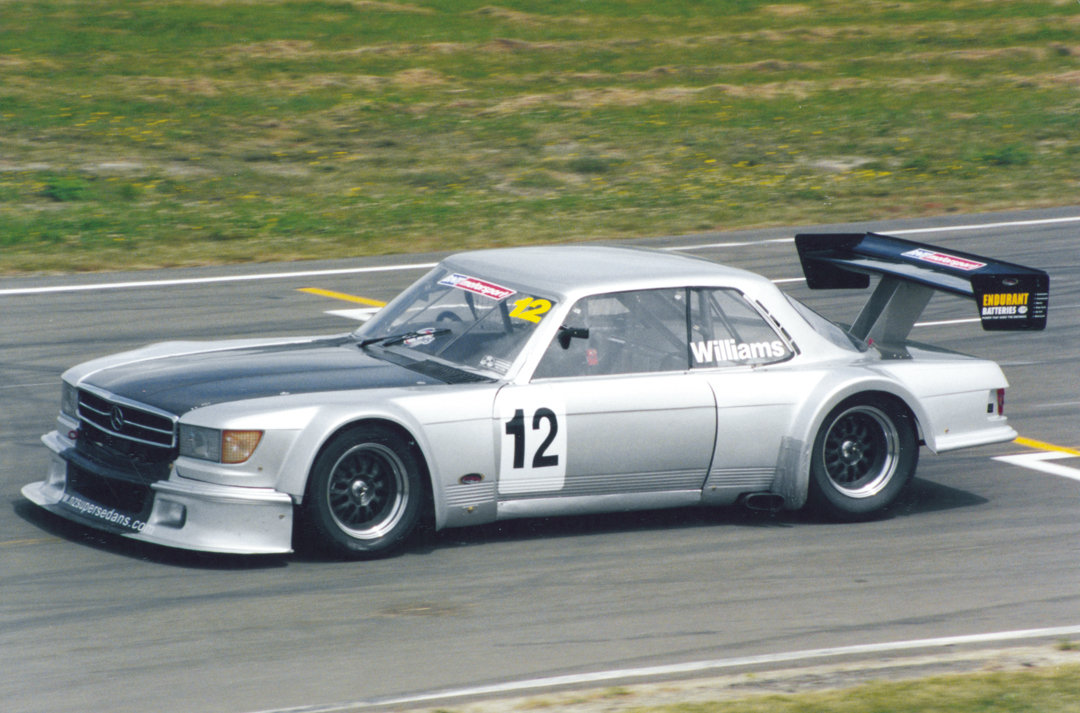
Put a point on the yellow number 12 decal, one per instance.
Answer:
(530, 309)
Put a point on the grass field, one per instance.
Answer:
(142, 133)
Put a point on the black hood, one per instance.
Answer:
(182, 383)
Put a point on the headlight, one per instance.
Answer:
(199, 442)
(216, 445)
(69, 400)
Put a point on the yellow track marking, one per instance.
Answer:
(342, 296)
(35, 541)
(1045, 446)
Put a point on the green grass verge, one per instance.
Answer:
(1051, 689)
(1054, 690)
(144, 133)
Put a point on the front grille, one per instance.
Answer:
(122, 453)
(126, 421)
(121, 495)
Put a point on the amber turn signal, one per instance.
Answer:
(237, 446)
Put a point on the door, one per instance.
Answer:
(613, 409)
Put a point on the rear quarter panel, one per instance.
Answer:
(954, 392)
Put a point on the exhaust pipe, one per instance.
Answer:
(762, 502)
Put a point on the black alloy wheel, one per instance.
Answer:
(365, 492)
(864, 455)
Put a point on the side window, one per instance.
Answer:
(727, 330)
(627, 333)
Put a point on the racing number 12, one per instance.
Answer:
(516, 427)
(532, 428)
(531, 309)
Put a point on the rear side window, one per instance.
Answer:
(726, 331)
(830, 330)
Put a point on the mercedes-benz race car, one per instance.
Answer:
(540, 381)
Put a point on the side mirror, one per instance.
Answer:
(568, 333)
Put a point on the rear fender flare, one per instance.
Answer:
(793, 467)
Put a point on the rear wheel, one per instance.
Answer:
(863, 457)
(365, 493)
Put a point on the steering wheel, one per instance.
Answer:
(447, 315)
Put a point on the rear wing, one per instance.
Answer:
(1008, 296)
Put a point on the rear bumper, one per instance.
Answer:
(1000, 434)
(188, 514)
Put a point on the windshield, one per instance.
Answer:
(460, 319)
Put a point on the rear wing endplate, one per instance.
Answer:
(1008, 296)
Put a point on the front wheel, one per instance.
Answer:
(863, 457)
(364, 494)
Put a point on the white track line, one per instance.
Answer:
(1017, 224)
(208, 280)
(911, 231)
(420, 266)
(947, 321)
(1037, 461)
(732, 245)
(689, 668)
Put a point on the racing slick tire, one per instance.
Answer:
(864, 455)
(365, 493)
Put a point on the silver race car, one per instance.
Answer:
(540, 381)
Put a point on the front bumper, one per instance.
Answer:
(184, 513)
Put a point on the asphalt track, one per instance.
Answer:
(90, 622)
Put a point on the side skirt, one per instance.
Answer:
(588, 504)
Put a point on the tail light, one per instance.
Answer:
(1001, 402)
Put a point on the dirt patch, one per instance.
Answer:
(502, 44)
(390, 7)
(499, 13)
(362, 4)
(115, 168)
(195, 86)
(418, 77)
(1071, 79)
(276, 49)
(786, 10)
(841, 164)
(595, 98)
